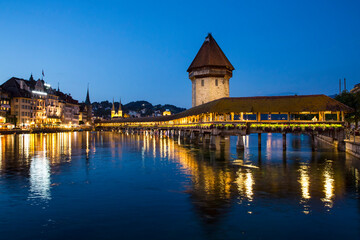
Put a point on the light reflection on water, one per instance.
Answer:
(216, 182)
(40, 178)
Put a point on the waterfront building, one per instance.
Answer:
(209, 72)
(34, 102)
(4, 106)
(71, 108)
(118, 113)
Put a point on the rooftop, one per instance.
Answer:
(210, 55)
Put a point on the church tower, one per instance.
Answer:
(209, 73)
(88, 107)
(120, 112)
(113, 110)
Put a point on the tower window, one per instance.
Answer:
(202, 82)
(216, 82)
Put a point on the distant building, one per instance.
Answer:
(118, 113)
(157, 113)
(134, 114)
(166, 112)
(209, 72)
(356, 88)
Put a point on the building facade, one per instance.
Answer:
(35, 103)
(209, 73)
(4, 106)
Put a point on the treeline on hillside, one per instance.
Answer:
(143, 108)
(353, 101)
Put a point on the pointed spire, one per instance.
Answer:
(58, 87)
(31, 78)
(113, 106)
(119, 105)
(87, 101)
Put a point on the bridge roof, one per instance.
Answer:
(292, 104)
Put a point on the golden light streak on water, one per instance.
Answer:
(87, 145)
(69, 140)
(305, 182)
(1, 154)
(245, 182)
(328, 185)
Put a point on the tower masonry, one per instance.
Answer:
(209, 73)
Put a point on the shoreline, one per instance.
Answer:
(47, 130)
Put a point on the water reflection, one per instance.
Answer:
(245, 182)
(40, 178)
(214, 180)
(328, 184)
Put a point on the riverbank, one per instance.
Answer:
(44, 130)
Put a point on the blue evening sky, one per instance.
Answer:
(140, 50)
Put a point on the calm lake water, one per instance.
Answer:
(104, 185)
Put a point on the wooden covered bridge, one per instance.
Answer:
(313, 114)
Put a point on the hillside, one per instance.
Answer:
(143, 108)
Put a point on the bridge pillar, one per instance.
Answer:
(284, 141)
(192, 137)
(213, 142)
(314, 142)
(340, 138)
(206, 139)
(222, 140)
(259, 140)
(201, 138)
(240, 142)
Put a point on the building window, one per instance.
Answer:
(216, 82)
(202, 82)
(17, 100)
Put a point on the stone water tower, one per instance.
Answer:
(209, 72)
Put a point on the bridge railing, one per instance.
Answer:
(223, 125)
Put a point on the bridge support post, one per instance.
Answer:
(284, 141)
(213, 142)
(206, 139)
(192, 137)
(222, 140)
(240, 142)
(259, 140)
(341, 138)
(314, 142)
(201, 138)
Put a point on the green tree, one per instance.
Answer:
(353, 101)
